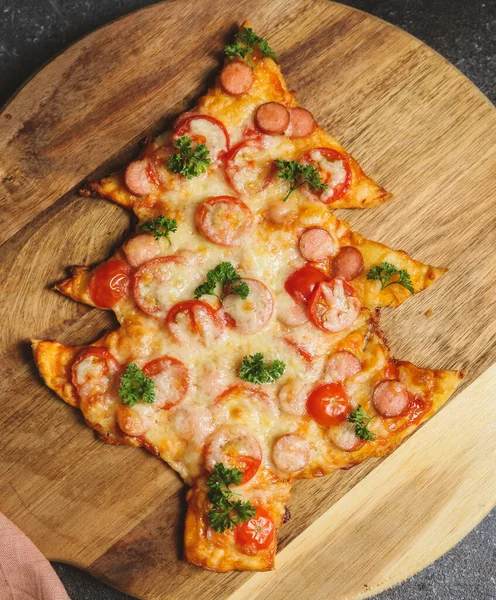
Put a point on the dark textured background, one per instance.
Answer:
(463, 31)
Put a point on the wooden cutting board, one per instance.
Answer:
(418, 126)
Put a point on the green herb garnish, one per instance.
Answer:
(136, 386)
(385, 274)
(160, 227)
(255, 370)
(226, 512)
(228, 278)
(361, 421)
(188, 161)
(245, 42)
(298, 174)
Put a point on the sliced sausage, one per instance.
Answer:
(204, 129)
(344, 437)
(253, 314)
(342, 365)
(281, 212)
(272, 118)
(347, 264)
(224, 220)
(293, 397)
(317, 244)
(301, 122)
(390, 398)
(140, 249)
(236, 78)
(136, 178)
(291, 453)
(136, 420)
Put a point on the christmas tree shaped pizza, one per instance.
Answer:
(248, 353)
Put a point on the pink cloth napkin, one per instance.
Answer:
(25, 574)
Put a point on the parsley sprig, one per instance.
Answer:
(388, 274)
(361, 421)
(228, 278)
(298, 174)
(188, 161)
(160, 227)
(136, 386)
(255, 370)
(244, 45)
(226, 511)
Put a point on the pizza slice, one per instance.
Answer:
(236, 130)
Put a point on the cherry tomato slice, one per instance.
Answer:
(329, 404)
(109, 283)
(257, 534)
(334, 169)
(248, 168)
(207, 130)
(333, 306)
(200, 319)
(171, 380)
(302, 283)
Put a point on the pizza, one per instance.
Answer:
(249, 351)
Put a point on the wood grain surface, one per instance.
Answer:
(417, 126)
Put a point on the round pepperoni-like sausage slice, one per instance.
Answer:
(391, 398)
(140, 249)
(345, 438)
(204, 129)
(317, 244)
(138, 178)
(193, 423)
(248, 167)
(334, 170)
(347, 264)
(234, 447)
(160, 282)
(136, 420)
(224, 220)
(341, 365)
(291, 453)
(333, 307)
(293, 397)
(236, 78)
(171, 380)
(257, 534)
(193, 319)
(94, 374)
(302, 283)
(253, 313)
(272, 118)
(301, 122)
(329, 404)
(109, 283)
(281, 212)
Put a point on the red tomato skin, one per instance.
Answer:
(110, 283)
(251, 539)
(182, 128)
(323, 411)
(301, 284)
(188, 306)
(333, 155)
